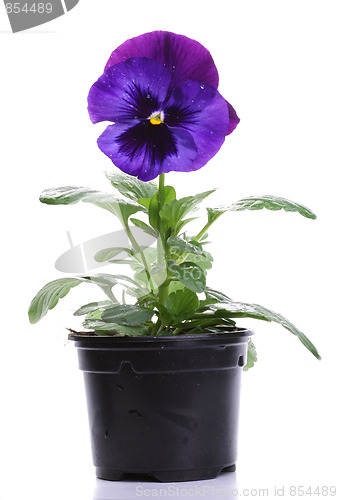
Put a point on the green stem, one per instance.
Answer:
(163, 290)
(197, 238)
(203, 231)
(139, 251)
(161, 189)
(159, 326)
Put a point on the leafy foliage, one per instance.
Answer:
(169, 194)
(190, 274)
(143, 225)
(127, 314)
(168, 291)
(91, 307)
(252, 356)
(110, 253)
(69, 195)
(255, 311)
(49, 296)
(132, 187)
(184, 246)
(258, 203)
(182, 304)
(174, 211)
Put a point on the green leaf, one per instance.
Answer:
(212, 294)
(110, 253)
(204, 261)
(49, 296)
(176, 285)
(146, 228)
(252, 356)
(244, 310)
(113, 329)
(150, 255)
(153, 210)
(69, 195)
(132, 187)
(91, 307)
(163, 313)
(107, 281)
(190, 274)
(145, 202)
(174, 211)
(183, 246)
(95, 314)
(207, 325)
(131, 331)
(258, 203)
(183, 222)
(127, 314)
(182, 304)
(169, 194)
(66, 195)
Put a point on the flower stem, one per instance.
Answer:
(161, 181)
(139, 251)
(163, 289)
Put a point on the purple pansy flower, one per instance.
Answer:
(186, 59)
(163, 118)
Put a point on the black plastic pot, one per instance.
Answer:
(165, 406)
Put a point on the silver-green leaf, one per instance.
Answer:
(69, 195)
(127, 314)
(258, 203)
(244, 310)
(190, 274)
(49, 296)
(252, 356)
(91, 307)
(110, 253)
(184, 246)
(113, 329)
(131, 187)
(146, 228)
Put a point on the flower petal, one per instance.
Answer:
(145, 150)
(185, 58)
(129, 90)
(202, 111)
(233, 119)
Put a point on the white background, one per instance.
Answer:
(277, 64)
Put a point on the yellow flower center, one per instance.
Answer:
(156, 118)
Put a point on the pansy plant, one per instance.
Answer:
(159, 94)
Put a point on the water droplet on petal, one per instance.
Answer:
(202, 87)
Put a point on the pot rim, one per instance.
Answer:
(236, 334)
